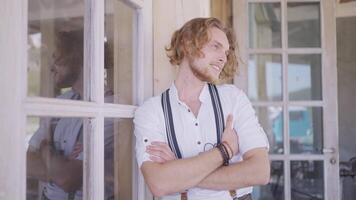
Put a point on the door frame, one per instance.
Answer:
(329, 87)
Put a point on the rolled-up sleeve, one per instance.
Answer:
(251, 134)
(148, 128)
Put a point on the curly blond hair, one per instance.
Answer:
(190, 39)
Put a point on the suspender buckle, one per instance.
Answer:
(183, 196)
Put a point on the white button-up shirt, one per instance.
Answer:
(197, 134)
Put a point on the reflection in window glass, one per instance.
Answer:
(119, 48)
(265, 77)
(307, 180)
(54, 158)
(304, 25)
(306, 130)
(304, 77)
(118, 159)
(55, 49)
(275, 188)
(271, 119)
(265, 25)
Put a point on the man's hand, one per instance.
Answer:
(230, 136)
(160, 152)
(78, 148)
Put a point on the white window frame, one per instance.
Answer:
(329, 87)
(16, 106)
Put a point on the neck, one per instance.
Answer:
(188, 85)
(78, 85)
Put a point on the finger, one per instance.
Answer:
(163, 148)
(74, 155)
(157, 159)
(166, 148)
(229, 120)
(158, 154)
(77, 149)
(162, 153)
(78, 146)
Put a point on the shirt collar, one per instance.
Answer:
(203, 97)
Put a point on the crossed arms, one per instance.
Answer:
(46, 165)
(166, 175)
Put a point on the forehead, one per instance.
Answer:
(219, 36)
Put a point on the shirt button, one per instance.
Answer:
(188, 110)
(199, 142)
(196, 124)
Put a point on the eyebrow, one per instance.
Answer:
(220, 45)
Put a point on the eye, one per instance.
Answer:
(227, 52)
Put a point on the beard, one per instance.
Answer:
(203, 74)
(68, 78)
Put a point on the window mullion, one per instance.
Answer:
(94, 91)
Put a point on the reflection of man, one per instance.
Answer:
(186, 120)
(55, 151)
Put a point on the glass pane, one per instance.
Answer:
(275, 188)
(271, 119)
(54, 158)
(55, 49)
(306, 129)
(119, 48)
(304, 77)
(118, 159)
(304, 25)
(307, 180)
(265, 77)
(265, 25)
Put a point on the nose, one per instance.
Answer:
(222, 58)
(53, 67)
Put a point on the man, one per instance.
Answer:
(55, 151)
(204, 51)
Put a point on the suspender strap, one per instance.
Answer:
(219, 121)
(218, 112)
(171, 135)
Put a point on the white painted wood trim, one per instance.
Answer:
(288, 51)
(144, 83)
(94, 84)
(136, 4)
(93, 162)
(13, 62)
(138, 85)
(286, 145)
(330, 122)
(284, 157)
(118, 111)
(302, 1)
(291, 103)
(262, 1)
(37, 106)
